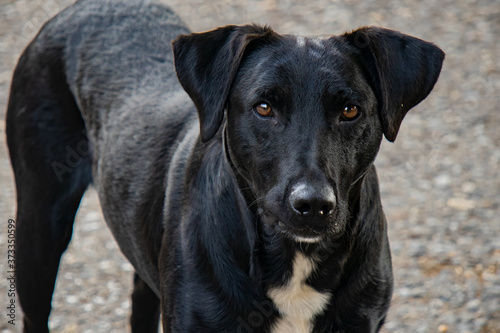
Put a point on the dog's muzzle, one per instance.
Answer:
(304, 212)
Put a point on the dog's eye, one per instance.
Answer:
(350, 112)
(264, 109)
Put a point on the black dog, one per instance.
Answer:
(255, 209)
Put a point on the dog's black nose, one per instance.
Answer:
(311, 201)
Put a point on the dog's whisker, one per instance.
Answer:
(256, 201)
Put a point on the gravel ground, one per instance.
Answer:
(440, 181)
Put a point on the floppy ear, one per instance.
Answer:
(206, 65)
(402, 70)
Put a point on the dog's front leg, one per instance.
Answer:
(145, 308)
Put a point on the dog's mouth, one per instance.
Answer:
(301, 235)
(298, 234)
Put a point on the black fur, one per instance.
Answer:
(211, 212)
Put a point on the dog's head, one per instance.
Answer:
(304, 116)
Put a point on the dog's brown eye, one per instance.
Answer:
(264, 109)
(350, 112)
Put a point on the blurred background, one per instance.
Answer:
(440, 180)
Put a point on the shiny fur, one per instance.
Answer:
(234, 222)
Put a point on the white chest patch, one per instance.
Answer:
(297, 302)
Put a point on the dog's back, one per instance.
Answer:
(93, 71)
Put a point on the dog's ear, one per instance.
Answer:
(402, 70)
(206, 65)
